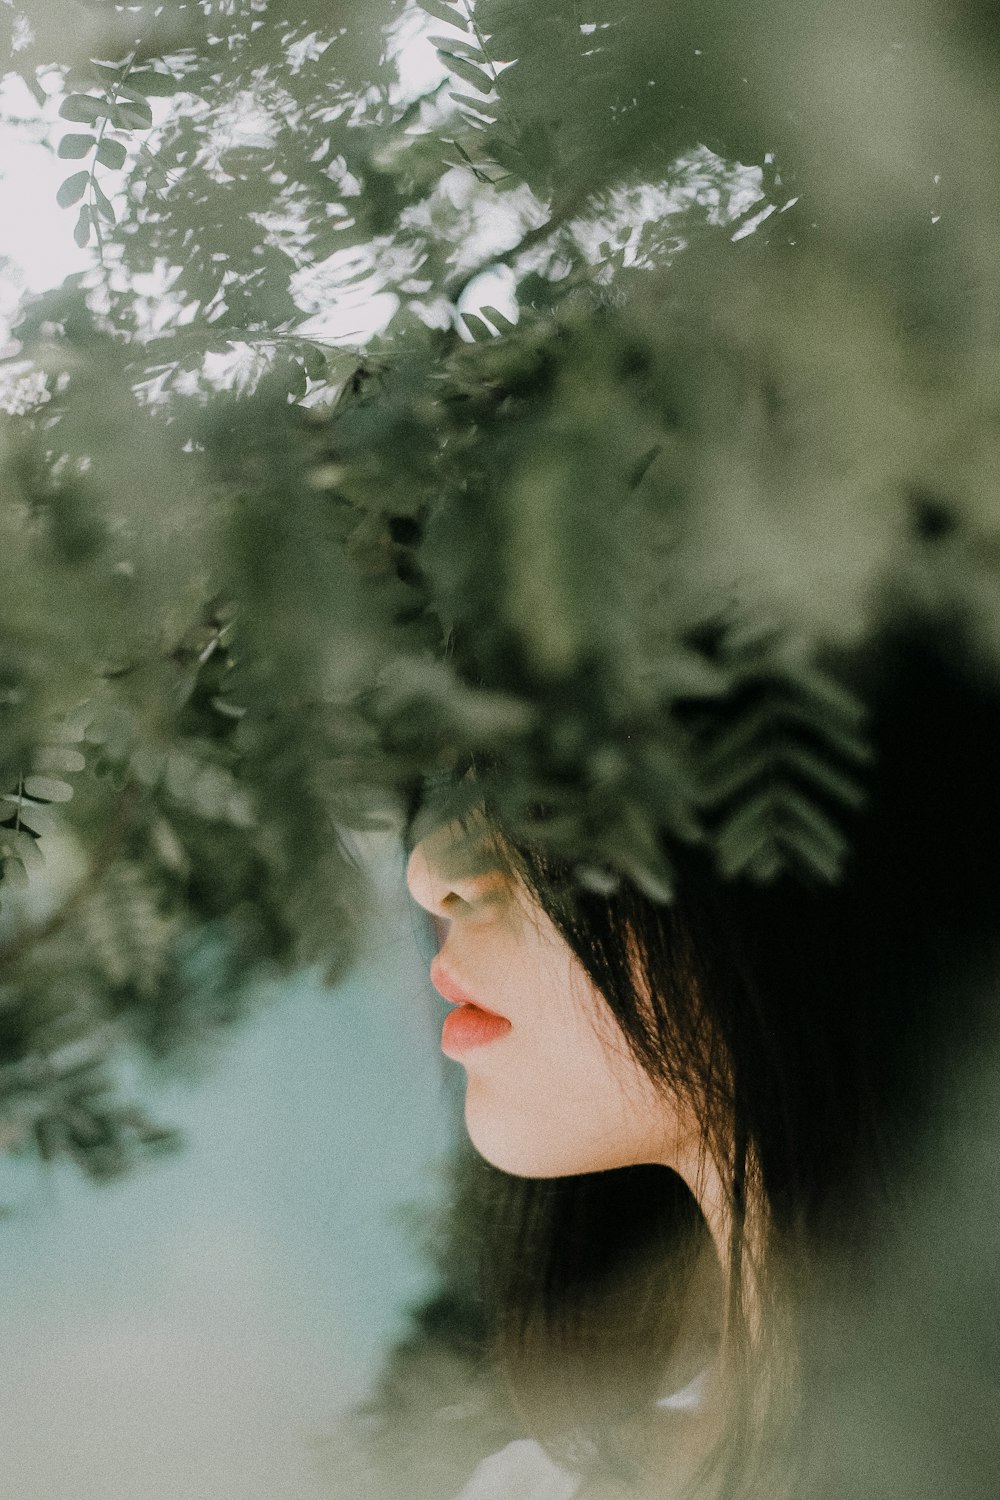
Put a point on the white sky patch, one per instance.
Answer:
(494, 288)
(307, 49)
(36, 235)
(418, 65)
(722, 190)
(343, 322)
(496, 221)
(245, 124)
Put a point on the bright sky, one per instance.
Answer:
(36, 235)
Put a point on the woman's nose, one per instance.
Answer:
(440, 884)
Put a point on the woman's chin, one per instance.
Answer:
(510, 1144)
(523, 1147)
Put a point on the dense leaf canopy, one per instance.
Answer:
(298, 525)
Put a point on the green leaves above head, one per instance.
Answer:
(779, 762)
(239, 516)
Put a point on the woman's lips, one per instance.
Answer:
(471, 1025)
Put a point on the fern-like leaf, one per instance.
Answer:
(778, 764)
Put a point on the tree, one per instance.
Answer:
(616, 546)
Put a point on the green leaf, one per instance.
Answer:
(468, 71)
(641, 466)
(505, 154)
(58, 758)
(104, 205)
(14, 874)
(475, 123)
(746, 835)
(821, 830)
(131, 115)
(501, 323)
(73, 147)
(113, 72)
(73, 189)
(314, 360)
(485, 107)
(81, 232)
(48, 788)
(465, 156)
(85, 109)
(155, 84)
(480, 331)
(441, 11)
(15, 842)
(111, 154)
(34, 815)
(457, 48)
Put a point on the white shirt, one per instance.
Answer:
(524, 1471)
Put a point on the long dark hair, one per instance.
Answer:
(814, 1027)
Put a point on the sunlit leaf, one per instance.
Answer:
(48, 788)
(59, 758)
(34, 815)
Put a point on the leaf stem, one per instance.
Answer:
(111, 93)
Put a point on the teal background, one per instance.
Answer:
(194, 1330)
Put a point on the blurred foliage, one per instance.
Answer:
(618, 545)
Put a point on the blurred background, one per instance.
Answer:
(195, 1329)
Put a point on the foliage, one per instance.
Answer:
(620, 544)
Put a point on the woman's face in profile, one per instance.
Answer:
(553, 1088)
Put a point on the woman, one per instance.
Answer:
(719, 1102)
